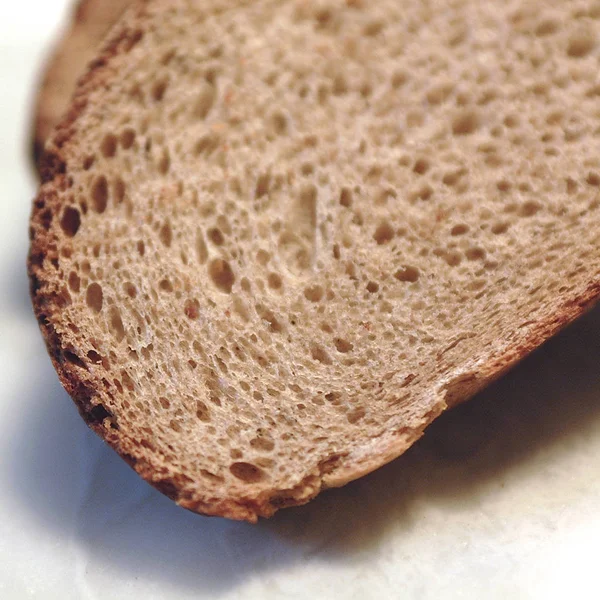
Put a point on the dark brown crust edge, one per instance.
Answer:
(43, 250)
(333, 472)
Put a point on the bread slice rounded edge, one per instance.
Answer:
(41, 126)
(43, 120)
(337, 470)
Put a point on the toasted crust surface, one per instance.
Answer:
(492, 331)
(90, 22)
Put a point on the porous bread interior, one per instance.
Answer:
(289, 226)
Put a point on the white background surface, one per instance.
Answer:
(501, 499)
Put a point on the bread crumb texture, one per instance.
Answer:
(277, 238)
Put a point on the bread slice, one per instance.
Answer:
(276, 239)
(90, 22)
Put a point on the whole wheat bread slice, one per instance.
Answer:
(275, 240)
(90, 22)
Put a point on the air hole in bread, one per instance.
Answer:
(192, 309)
(307, 169)
(439, 92)
(221, 275)
(421, 166)
(206, 145)
(530, 208)
(262, 443)
(269, 317)
(127, 138)
(201, 249)
(164, 162)
(314, 293)
(499, 228)
(159, 89)
(203, 412)
(108, 147)
(88, 162)
(465, 123)
(215, 236)
(593, 178)
(399, 78)
(70, 221)
(204, 101)
(425, 192)
(94, 357)
(74, 281)
(262, 185)
(354, 416)
(452, 178)
(343, 346)
(582, 42)
(346, 197)
(320, 354)
(94, 297)
(118, 190)
(247, 472)
(407, 274)
(130, 290)
(165, 285)
(475, 253)
(459, 229)
(384, 233)
(116, 324)
(280, 123)
(99, 194)
(547, 26)
(166, 234)
(374, 27)
(72, 358)
(334, 398)
(275, 282)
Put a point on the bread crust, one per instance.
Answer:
(333, 471)
(91, 19)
